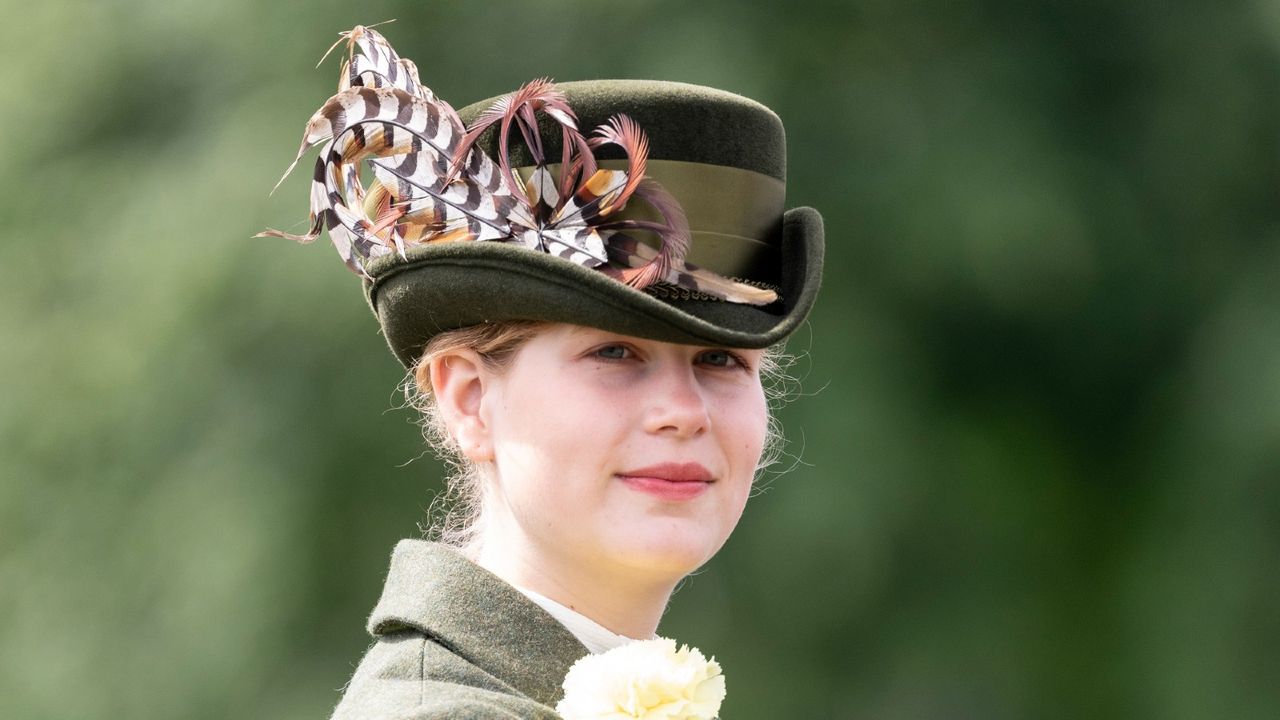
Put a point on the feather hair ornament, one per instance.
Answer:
(432, 184)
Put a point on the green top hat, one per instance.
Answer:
(669, 223)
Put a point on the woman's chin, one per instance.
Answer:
(673, 552)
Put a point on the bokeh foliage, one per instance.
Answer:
(1037, 452)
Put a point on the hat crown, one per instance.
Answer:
(722, 156)
(683, 122)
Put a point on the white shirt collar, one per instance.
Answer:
(596, 637)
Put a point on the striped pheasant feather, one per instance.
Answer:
(377, 64)
(407, 141)
(432, 184)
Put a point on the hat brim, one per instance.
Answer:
(449, 285)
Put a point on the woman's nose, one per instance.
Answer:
(677, 406)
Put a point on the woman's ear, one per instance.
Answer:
(459, 381)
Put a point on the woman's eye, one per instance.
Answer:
(612, 352)
(718, 358)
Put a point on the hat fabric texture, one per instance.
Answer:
(724, 156)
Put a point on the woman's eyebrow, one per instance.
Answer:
(580, 330)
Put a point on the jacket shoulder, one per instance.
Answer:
(408, 676)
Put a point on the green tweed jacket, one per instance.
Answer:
(455, 641)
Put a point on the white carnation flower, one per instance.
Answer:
(648, 679)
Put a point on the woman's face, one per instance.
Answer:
(616, 453)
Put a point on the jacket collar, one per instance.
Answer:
(436, 591)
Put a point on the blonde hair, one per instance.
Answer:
(455, 514)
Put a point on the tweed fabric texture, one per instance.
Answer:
(454, 641)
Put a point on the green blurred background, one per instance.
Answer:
(1036, 456)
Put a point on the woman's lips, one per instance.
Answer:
(669, 481)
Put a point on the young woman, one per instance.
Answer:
(586, 318)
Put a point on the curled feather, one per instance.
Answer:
(673, 233)
(513, 108)
(626, 134)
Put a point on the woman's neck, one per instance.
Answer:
(624, 601)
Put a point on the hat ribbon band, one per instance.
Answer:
(733, 213)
